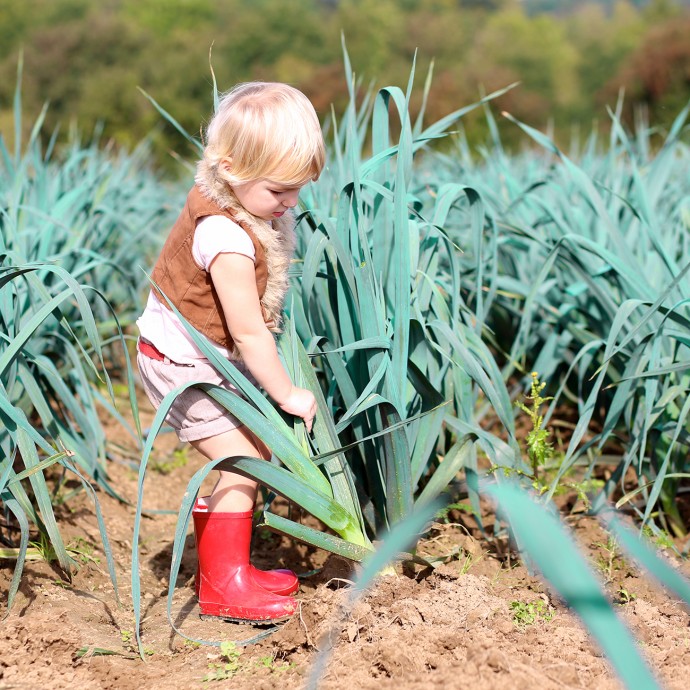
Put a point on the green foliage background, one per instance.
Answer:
(87, 58)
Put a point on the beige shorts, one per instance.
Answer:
(194, 415)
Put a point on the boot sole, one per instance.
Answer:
(245, 621)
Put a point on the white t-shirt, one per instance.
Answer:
(159, 325)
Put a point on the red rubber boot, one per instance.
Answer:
(226, 586)
(279, 581)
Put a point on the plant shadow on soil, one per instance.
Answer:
(477, 621)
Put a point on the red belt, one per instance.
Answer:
(147, 349)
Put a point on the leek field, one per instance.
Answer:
(500, 348)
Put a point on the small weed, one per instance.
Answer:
(80, 550)
(44, 548)
(120, 390)
(126, 637)
(585, 488)
(62, 496)
(539, 449)
(83, 551)
(546, 461)
(469, 562)
(180, 458)
(625, 597)
(227, 668)
(229, 664)
(274, 666)
(63, 584)
(659, 537)
(442, 515)
(610, 561)
(527, 614)
(266, 535)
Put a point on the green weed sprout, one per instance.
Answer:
(525, 614)
(539, 449)
(230, 655)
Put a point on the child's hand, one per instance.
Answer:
(301, 403)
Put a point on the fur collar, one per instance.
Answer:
(277, 238)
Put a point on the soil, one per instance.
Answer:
(479, 620)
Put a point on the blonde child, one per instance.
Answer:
(224, 266)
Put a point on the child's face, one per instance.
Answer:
(266, 199)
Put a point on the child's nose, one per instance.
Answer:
(291, 200)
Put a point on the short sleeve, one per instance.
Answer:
(219, 235)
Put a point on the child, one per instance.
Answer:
(224, 266)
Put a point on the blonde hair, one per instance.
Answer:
(268, 130)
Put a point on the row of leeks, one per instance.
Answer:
(591, 290)
(67, 235)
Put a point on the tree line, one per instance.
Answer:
(572, 59)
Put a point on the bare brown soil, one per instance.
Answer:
(452, 627)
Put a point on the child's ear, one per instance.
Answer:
(226, 164)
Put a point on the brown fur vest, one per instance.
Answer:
(190, 287)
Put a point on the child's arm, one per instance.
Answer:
(234, 280)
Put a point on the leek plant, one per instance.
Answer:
(591, 291)
(69, 284)
(380, 307)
